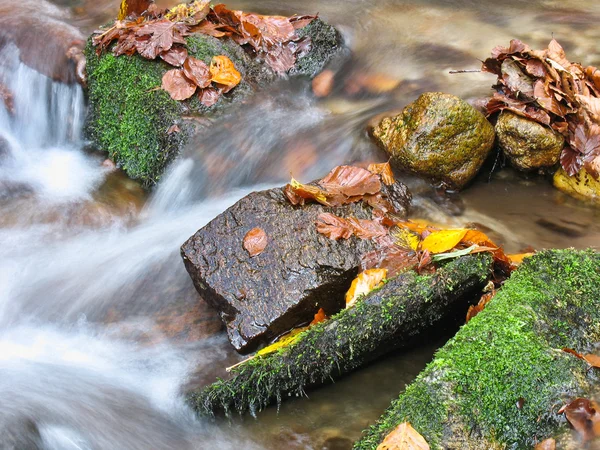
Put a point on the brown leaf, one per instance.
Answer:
(301, 21)
(334, 227)
(133, 7)
(298, 193)
(224, 73)
(557, 53)
(209, 96)
(515, 79)
(536, 68)
(157, 37)
(546, 444)
(255, 241)
(320, 316)
(385, 170)
(7, 97)
(583, 415)
(177, 85)
(351, 181)
(322, 84)
(404, 437)
(483, 301)
(175, 56)
(391, 257)
(570, 160)
(197, 71)
(591, 359)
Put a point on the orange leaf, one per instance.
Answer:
(224, 73)
(351, 181)
(404, 437)
(385, 170)
(364, 283)
(517, 258)
(483, 301)
(546, 444)
(255, 241)
(297, 193)
(591, 359)
(320, 316)
(444, 240)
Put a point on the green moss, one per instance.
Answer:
(405, 308)
(326, 43)
(511, 350)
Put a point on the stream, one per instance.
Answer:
(101, 329)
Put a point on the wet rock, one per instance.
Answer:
(582, 185)
(134, 122)
(337, 443)
(298, 272)
(44, 40)
(439, 137)
(528, 145)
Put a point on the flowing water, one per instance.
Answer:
(101, 331)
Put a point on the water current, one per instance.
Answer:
(101, 330)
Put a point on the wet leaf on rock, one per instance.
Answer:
(444, 240)
(584, 416)
(351, 181)
(133, 7)
(546, 444)
(404, 437)
(178, 85)
(209, 96)
(385, 171)
(224, 73)
(364, 283)
(175, 56)
(255, 241)
(157, 37)
(320, 316)
(335, 227)
(591, 359)
(197, 71)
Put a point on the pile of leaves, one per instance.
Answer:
(145, 29)
(544, 86)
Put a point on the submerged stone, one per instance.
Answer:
(581, 185)
(439, 137)
(298, 272)
(501, 380)
(528, 145)
(133, 120)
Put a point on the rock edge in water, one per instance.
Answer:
(469, 395)
(404, 310)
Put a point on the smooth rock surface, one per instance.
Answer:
(528, 145)
(582, 185)
(299, 271)
(439, 137)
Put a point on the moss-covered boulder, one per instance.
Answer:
(439, 137)
(501, 380)
(582, 185)
(528, 145)
(133, 120)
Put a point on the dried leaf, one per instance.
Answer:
(557, 54)
(159, 36)
(320, 316)
(364, 283)
(391, 257)
(442, 241)
(591, 359)
(177, 85)
(570, 160)
(483, 301)
(224, 73)
(297, 193)
(351, 181)
(133, 7)
(583, 415)
(194, 11)
(385, 170)
(335, 227)
(255, 241)
(546, 444)
(515, 79)
(197, 71)
(404, 437)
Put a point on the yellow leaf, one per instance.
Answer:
(309, 191)
(405, 238)
(185, 10)
(283, 341)
(442, 241)
(223, 72)
(518, 258)
(404, 437)
(385, 170)
(364, 283)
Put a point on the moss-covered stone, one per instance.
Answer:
(528, 145)
(582, 185)
(468, 396)
(439, 137)
(404, 309)
(130, 116)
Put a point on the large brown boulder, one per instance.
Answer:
(298, 272)
(439, 137)
(528, 145)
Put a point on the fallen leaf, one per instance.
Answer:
(406, 238)
(297, 193)
(385, 170)
(224, 73)
(454, 254)
(517, 258)
(175, 56)
(197, 71)
(255, 241)
(393, 258)
(583, 415)
(351, 181)
(364, 283)
(131, 7)
(444, 240)
(322, 84)
(335, 227)
(591, 359)
(284, 341)
(178, 85)
(546, 444)
(480, 306)
(320, 316)
(209, 96)
(404, 437)
(158, 36)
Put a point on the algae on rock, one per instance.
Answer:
(581, 185)
(501, 380)
(132, 119)
(405, 309)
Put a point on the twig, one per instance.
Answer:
(465, 71)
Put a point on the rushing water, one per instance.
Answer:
(101, 330)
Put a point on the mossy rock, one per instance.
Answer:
(501, 380)
(130, 116)
(439, 137)
(528, 145)
(581, 185)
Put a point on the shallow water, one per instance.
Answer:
(101, 329)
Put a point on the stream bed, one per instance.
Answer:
(101, 329)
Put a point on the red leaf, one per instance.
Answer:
(177, 85)
(351, 181)
(570, 160)
(209, 96)
(197, 71)
(176, 56)
(255, 241)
